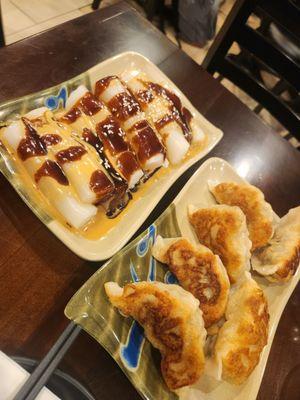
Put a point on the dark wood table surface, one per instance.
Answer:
(38, 274)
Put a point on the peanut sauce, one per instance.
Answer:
(52, 170)
(123, 106)
(145, 141)
(72, 153)
(31, 145)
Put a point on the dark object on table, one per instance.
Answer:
(96, 4)
(61, 384)
(262, 49)
(45, 369)
(163, 11)
(197, 20)
(192, 21)
(2, 40)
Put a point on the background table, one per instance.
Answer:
(38, 274)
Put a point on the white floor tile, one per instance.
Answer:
(14, 20)
(42, 26)
(42, 10)
(6, 6)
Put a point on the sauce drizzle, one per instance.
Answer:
(103, 84)
(123, 106)
(145, 96)
(112, 135)
(50, 139)
(71, 116)
(127, 164)
(119, 198)
(181, 115)
(145, 141)
(89, 104)
(31, 145)
(72, 153)
(94, 141)
(100, 184)
(52, 170)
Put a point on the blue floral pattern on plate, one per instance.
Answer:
(53, 101)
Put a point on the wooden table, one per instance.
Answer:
(38, 274)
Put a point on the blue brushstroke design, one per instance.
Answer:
(143, 246)
(152, 270)
(152, 233)
(133, 273)
(53, 101)
(131, 351)
(170, 278)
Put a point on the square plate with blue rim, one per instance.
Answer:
(101, 248)
(123, 338)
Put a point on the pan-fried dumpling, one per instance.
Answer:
(245, 333)
(279, 260)
(172, 322)
(259, 214)
(223, 229)
(198, 271)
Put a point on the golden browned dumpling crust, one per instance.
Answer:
(198, 271)
(259, 214)
(278, 261)
(288, 267)
(223, 229)
(245, 333)
(172, 322)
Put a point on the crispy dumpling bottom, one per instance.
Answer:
(172, 322)
(198, 271)
(243, 336)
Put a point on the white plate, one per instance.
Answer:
(90, 308)
(196, 192)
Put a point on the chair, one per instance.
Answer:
(260, 51)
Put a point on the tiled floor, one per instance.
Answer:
(22, 18)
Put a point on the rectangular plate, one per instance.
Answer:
(123, 338)
(132, 217)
